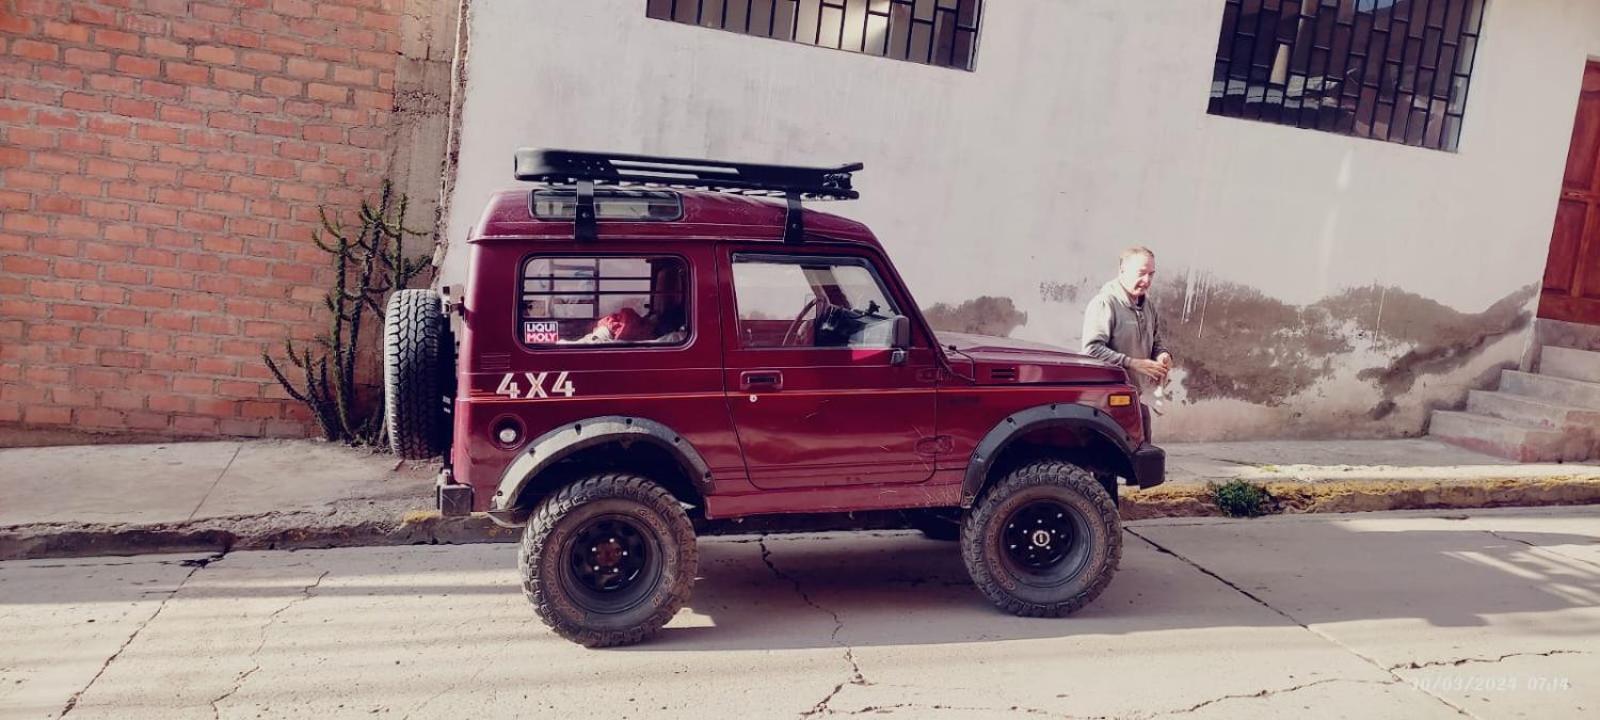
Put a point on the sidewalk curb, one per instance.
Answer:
(379, 527)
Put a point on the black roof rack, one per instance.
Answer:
(584, 170)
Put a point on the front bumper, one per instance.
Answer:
(453, 499)
(1149, 466)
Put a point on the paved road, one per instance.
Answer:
(1400, 615)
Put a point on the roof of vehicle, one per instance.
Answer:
(707, 216)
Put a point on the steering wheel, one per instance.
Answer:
(793, 333)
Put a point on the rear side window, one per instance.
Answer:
(611, 301)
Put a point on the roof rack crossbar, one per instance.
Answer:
(587, 169)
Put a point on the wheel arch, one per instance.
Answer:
(619, 441)
(1079, 433)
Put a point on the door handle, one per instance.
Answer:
(767, 380)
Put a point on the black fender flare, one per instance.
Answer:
(560, 443)
(1000, 437)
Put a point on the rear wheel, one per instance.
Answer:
(608, 560)
(1044, 541)
(418, 374)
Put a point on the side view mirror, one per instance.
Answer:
(900, 339)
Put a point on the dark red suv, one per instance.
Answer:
(645, 343)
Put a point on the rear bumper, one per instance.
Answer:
(1149, 466)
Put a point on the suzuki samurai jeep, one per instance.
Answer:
(643, 344)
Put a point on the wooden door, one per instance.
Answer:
(1572, 272)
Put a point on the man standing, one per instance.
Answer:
(1121, 325)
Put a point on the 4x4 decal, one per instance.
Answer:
(509, 387)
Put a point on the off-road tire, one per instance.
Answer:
(561, 518)
(1096, 528)
(418, 369)
(944, 526)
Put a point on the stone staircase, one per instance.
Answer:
(1549, 416)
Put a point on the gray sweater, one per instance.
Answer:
(1114, 329)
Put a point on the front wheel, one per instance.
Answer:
(1044, 541)
(608, 560)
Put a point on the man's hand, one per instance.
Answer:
(1165, 359)
(1155, 371)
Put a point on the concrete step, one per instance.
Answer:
(1528, 411)
(1573, 393)
(1569, 363)
(1514, 441)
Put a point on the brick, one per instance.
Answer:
(210, 96)
(107, 210)
(116, 127)
(241, 428)
(239, 37)
(258, 104)
(118, 358)
(280, 87)
(167, 91)
(177, 198)
(328, 93)
(165, 48)
(78, 185)
(73, 313)
(80, 101)
(23, 265)
(129, 191)
(307, 69)
(213, 13)
(213, 365)
(173, 322)
(157, 133)
(142, 67)
(100, 337)
(265, 62)
(78, 227)
(155, 174)
(207, 139)
(228, 121)
(233, 79)
(181, 115)
(47, 375)
(75, 270)
(275, 168)
(116, 39)
(300, 151)
(66, 77)
(52, 290)
(205, 222)
(148, 421)
(149, 341)
(46, 415)
(75, 397)
(117, 84)
(174, 279)
(55, 118)
(354, 75)
(237, 389)
(227, 162)
(186, 73)
(144, 24)
(154, 299)
(156, 215)
(144, 109)
(120, 399)
(367, 138)
(68, 32)
(171, 363)
(84, 144)
(216, 54)
(49, 334)
(200, 386)
(18, 222)
(154, 257)
(299, 108)
(191, 31)
(94, 16)
(195, 425)
(35, 50)
(279, 43)
(222, 244)
(107, 169)
(336, 54)
(130, 151)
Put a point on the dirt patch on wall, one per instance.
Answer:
(1237, 343)
(986, 315)
(1247, 346)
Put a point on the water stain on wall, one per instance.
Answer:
(985, 315)
(1235, 342)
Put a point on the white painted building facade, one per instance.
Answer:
(1320, 284)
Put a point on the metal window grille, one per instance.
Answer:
(933, 32)
(1390, 70)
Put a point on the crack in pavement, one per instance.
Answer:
(470, 678)
(1269, 692)
(883, 709)
(856, 677)
(1464, 661)
(238, 682)
(194, 567)
(1263, 603)
(1541, 547)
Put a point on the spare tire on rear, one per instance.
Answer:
(418, 374)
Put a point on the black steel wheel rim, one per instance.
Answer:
(1045, 542)
(613, 562)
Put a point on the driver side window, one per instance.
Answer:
(816, 302)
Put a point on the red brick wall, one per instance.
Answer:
(161, 166)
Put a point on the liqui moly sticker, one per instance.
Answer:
(545, 332)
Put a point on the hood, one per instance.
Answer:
(1008, 361)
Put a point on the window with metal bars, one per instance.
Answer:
(933, 32)
(1391, 70)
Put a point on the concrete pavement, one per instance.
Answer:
(125, 499)
(1491, 614)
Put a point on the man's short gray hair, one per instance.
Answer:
(1135, 250)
